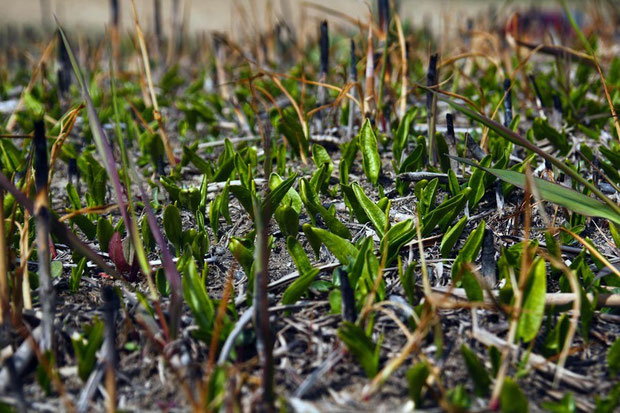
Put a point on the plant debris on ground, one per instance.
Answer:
(377, 217)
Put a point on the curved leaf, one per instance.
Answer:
(451, 237)
(274, 198)
(396, 237)
(307, 273)
(314, 207)
(342, 249)
(351, 201)
(373, 212)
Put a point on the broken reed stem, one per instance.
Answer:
(551, 299)
(149, 80)
(115, 13)
(115, 20)
(352, 79)
(384, 23)
(369, 105)
(110, 311)
(540, 104)
(402, 107)
(64, 68)
(347, 307)
(158, 26)
(324, 48)
(451, 141)
(42, 219)
(264, 337)
(4, 281)
(431, 108)
(507, 103)
(384, 16)
(324, 66)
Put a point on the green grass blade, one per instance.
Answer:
(515, 138)
(552, 192)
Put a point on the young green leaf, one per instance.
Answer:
(293, 131)
(372, 211)
(402, 133)
(172, 225)
(429, 193)
(243, 252)
(76, 275)
(533, 308)
(307, 273)
(353, 204)
(615, 233)
(476, 371)
(613, 358)
(291, 198)
(416, 378)
(321, 159)
(468, 253)
(342, 249)
(287, 219)
(104, 233)
(512, 399)
(348, 153)
(244, 196)
(407, 280)
(370, 152)
(196, 296)
(445, 213)
(276, 196)
(542, 130)
(86, 349)
(361, 346)
(477, 183)
(314, 207)
(453, 183)
(396, 237)
(565, 405)
(448, 241)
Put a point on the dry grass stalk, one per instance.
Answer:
(518, 289)
(147, 70)
(4, 281)
(42, 219)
